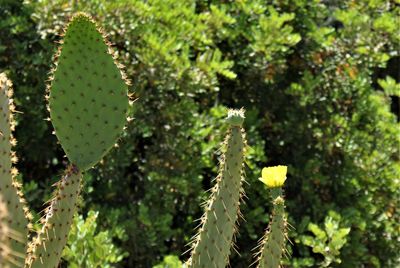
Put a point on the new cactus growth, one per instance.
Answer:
(88, 103)
(16, 218)
(272, 245)
(213, 243)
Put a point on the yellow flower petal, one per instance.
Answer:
(274, 176)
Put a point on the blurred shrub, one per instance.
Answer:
(170, 261)
(87, 247)
(306, 71)
(326, 241)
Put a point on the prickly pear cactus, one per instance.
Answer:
(88, 94)
(8, 258)
(47, 247)
(88, 104)
(15, 221)
(213, 243)
(4, 242)
(272, 246)
(5, 233)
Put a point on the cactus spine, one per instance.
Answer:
(272, 245)
(16, 223)
(212, 244)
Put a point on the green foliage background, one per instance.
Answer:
(318, 81)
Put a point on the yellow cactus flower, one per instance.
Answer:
(274, 176)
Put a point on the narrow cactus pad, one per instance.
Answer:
(15, 220)
(212, 244)
(88, 94)
(272, 245)
(45, 250)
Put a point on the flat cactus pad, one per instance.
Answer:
(88, 94)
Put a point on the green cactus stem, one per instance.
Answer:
(215, 238)
(273, 243)
(87, 95)
(45, 250)
(16, 220)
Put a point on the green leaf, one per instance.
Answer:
(319, 233)
(390, 86)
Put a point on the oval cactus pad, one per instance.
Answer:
(88, 94)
